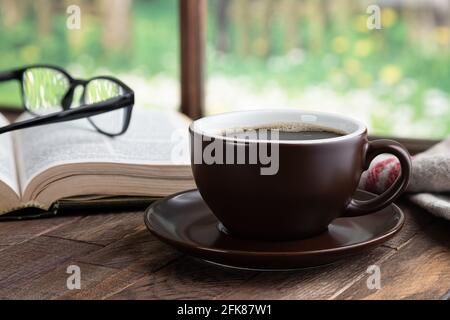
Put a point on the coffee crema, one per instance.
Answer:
(286, 132)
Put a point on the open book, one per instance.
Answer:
(42, 165)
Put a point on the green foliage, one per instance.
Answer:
(347, 58)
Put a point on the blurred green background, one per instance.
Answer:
(307, 54)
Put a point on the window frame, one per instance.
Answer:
(192, 14)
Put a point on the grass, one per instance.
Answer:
(396, 73)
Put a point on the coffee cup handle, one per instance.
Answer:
(360, 207)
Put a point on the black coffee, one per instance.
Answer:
(284, 133)
(307, 135)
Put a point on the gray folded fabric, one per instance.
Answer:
(437, 204)
(430, 179)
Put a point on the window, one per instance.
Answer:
(135, 40)
(309, 54)
(321, 55)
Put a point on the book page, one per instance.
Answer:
(8, 172)
(151, 138)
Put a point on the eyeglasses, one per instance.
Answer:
(51, 95)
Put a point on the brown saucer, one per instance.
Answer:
(184, 221)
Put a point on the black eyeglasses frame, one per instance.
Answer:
(68, 114)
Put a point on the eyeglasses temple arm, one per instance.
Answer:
(8, 75)
(72, 114)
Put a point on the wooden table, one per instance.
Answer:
(120, 259)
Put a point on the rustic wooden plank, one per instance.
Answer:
(14, 232)
(446, 296)
(139, 252)
(23, 262)
(185, 279)
(101, 229)
(416, 220)
(96, 283)
(314, 283)
(3, 247)
(420, 270)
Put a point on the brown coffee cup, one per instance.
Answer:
(314, 182)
